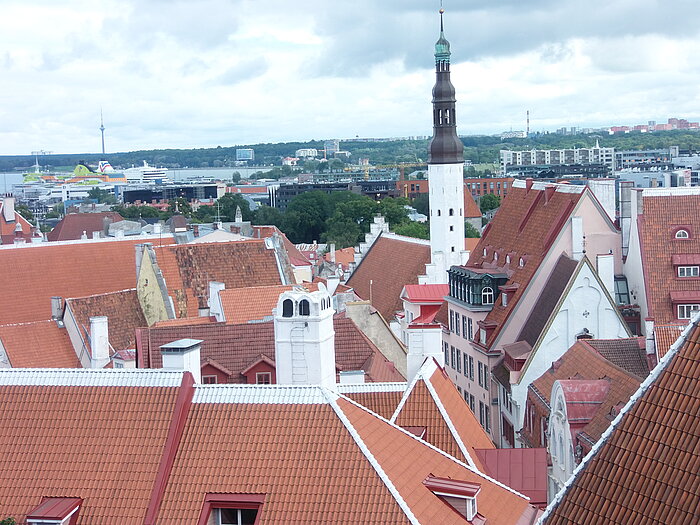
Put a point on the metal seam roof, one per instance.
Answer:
(258, 394)
(87, 377)
(361, 388)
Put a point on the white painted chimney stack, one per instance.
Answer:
(8, 209)
(606, 271)
(183, 354)
(99, 341)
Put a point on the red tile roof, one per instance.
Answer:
(123, 312)
(343, 257)
(663, 216)
(73, 225)
(101, 443)
(7, 229)
(41, 344)
(665, 335)
(426, 293)
(471, 208)
(525, 226)
(645, 468)
(36, 273)
(253, 303)
(188, 269)
(432, 401)
(389, 273)
(235, 346)
(522, 469)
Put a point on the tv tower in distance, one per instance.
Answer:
(102, 130)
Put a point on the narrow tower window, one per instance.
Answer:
(303, 307)
(287, 308)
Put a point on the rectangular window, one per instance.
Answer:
(209, 380)
(457, 321)
(482, 336)
(685, 311)
(471, 368)
(481, 414)
(466, 365)
(452, 321)
(447, 354)
(470, 329)
(263, 378)
(452, 352)
(464, 326)
(487, 418)
(235, 516)
(459, 389)
(459, 360)
(689, 271)
(481, 374)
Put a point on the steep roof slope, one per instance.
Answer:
(526, 225)
(236, 346)
(32, 275)
(73, 225)
(645, 467)
(432, 401)
(663, 216)
(391, 263)
(122, 310)
(74, 433)
(253, 303)
(41, 344)
(188, 269)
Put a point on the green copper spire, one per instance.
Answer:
(442, 46)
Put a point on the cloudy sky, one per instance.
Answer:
(202, 73)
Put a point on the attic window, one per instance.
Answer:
(507, 259)
(521, 262)
(460, 495)
(303, 307)
(235, 516)
(484, 252)
(231, 509)
(58, 511)
(682, 234)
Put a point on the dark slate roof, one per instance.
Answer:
(627, 353)
(548, 299)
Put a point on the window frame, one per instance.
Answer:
(258, 375)
(688, 310)
(206, 380)
(216, 501)
(691, 270)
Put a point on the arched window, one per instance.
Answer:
(484, 252)
(452, 212)
(438, 213)
(303, 307)
(507, 259)
(521, 262)
(682, 234)
(287, 308)
(495, 256)
(487, 295)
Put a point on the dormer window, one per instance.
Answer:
(487, 295)
(507, 259)
(55, 511)
(235, 516)
(231, 509)
(521, 262)
(689, 271)
(460, 495)
(682, 234)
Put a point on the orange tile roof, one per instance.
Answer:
(665, 335)
(123, 312)
(186, 321)
(663, 216)
(253, 303)
(470, 243)
(645, 469)
(72, 226)
(35, 273)
(41, 344)
(235, 346)
(382, 403)
(525, 226)
(103, 443)
(389, 273)
(7, 229)
(188, 269)
(343, 257)
(432, 401)
(471, 208)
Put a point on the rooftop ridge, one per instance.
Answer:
(259, 394)
(360, 388)
(432, 365)
(101, 294)
(540, 186)
(643, 387)
(82, 377)
(670, 192)
(404, 238)
(439, 450)
(370, 457)
(168, 237)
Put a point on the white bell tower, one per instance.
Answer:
(304, 338)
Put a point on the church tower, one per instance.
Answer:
(445, 173)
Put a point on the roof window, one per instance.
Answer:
(231, 509)
(55, 511)
(682, 234)
(460, 495)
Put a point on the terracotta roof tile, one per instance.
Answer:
(522, 469)
(103, 443)
(524, 227)
(235, 346)
(381, 403)
(663, 216)
(628, 353)
(645, 469)
(123, 312)
(471, 208)
(254, 303)
(188, 269)
(343, 257)
(665, 335)
(65, 270)
(420, 408)
(72, 226)
(41, 344)
(389, 273)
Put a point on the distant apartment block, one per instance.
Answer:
(555, 157)
(645, 158)
(497, 186)
(673, 123)
(306, 153)
(331, 147)
(245, 154)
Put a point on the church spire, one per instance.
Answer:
(445, 147)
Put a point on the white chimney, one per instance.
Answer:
(57, 308)
(96, 235)
(332, 281)
(215, 307)
(157, 228)
(331, 250)
(423, 343)
(305, 338)
(650, 342)
(606, 271)
(183, 354)
(99, 341)
(8, 209)
(352, 377)
(84, 236)
(577, 244)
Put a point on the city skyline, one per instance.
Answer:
(187, 75)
